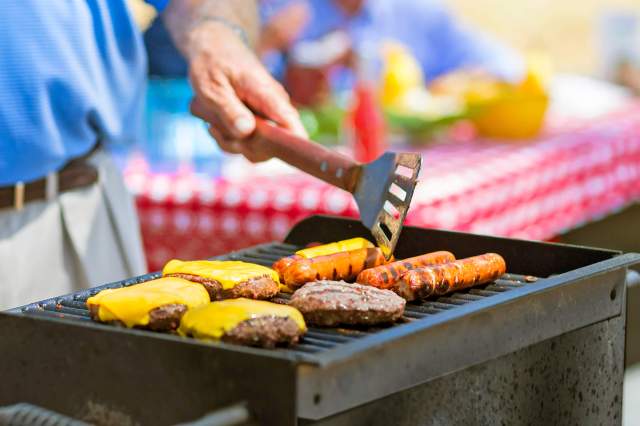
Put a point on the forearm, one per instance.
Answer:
(192, 22)
(230, 84)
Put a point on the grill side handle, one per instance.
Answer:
(235, 415)
(33, 415)
(626, 260)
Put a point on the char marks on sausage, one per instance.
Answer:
(449, 277)
(385, 276)
(338, 266)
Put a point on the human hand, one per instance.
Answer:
(230, 85)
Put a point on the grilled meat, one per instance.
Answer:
(244, 321)
(167, 317)
(385, 276)
(344, 265)
(330, 303)
(265, 332)
(320, 250)
(441, 279)
(282, 264)
(227, 279)
(156, 305)
(254, 288)
(163, 318)
(213, 287)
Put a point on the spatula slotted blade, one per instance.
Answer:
(383, 194)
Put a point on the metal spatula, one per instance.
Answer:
(382, 189)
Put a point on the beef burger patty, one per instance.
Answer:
(227, 279)
(330, 303)
(246, 322)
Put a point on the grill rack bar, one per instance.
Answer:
(317, 340)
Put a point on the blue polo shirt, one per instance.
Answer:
(71, 72)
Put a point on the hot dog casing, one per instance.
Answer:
(344, 265)
(454, 276)
(385, 276)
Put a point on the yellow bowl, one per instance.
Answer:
(514, 115)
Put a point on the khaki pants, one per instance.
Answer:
(83, 238)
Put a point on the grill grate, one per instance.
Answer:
(72, 307)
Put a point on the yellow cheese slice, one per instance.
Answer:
(337, 247)
(212, 321)
(285, 288)
(132, 304)
(228, 273)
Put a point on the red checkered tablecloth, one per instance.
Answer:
(575, 173)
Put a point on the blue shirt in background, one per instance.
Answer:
(164, 58)
(71, 72)
(437, 40)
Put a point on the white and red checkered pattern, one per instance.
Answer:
(575, 173)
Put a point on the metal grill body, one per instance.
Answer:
(58, 358)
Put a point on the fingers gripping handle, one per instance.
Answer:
(310, 157)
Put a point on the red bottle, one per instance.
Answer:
(366, 117)
(367, 122)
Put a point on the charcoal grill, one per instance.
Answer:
(544, 344)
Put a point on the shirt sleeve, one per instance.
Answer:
(160, 5)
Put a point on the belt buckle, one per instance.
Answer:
(18, 196)
(51, 191)
(51, 186)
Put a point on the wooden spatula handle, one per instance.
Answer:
(308, 156)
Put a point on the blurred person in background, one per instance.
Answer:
(283, 21)
(439, 42)
(71, 83)
(435, 37)
(628, 75)
(619, 47)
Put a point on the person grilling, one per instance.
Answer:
(72, 84)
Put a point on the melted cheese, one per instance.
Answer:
(228, 273)
(331, 248)
(132, 305)
(212, 321)
(285, 288)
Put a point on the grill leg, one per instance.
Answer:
(573, 379)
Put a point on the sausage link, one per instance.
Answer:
(345, 265)
(441, 279)
(385, 276)
(320, 250)
(281, 265)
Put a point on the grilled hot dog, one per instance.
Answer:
(441, 279)
(282, 264)
(345, 265)
(320, 250)
(385, 276)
